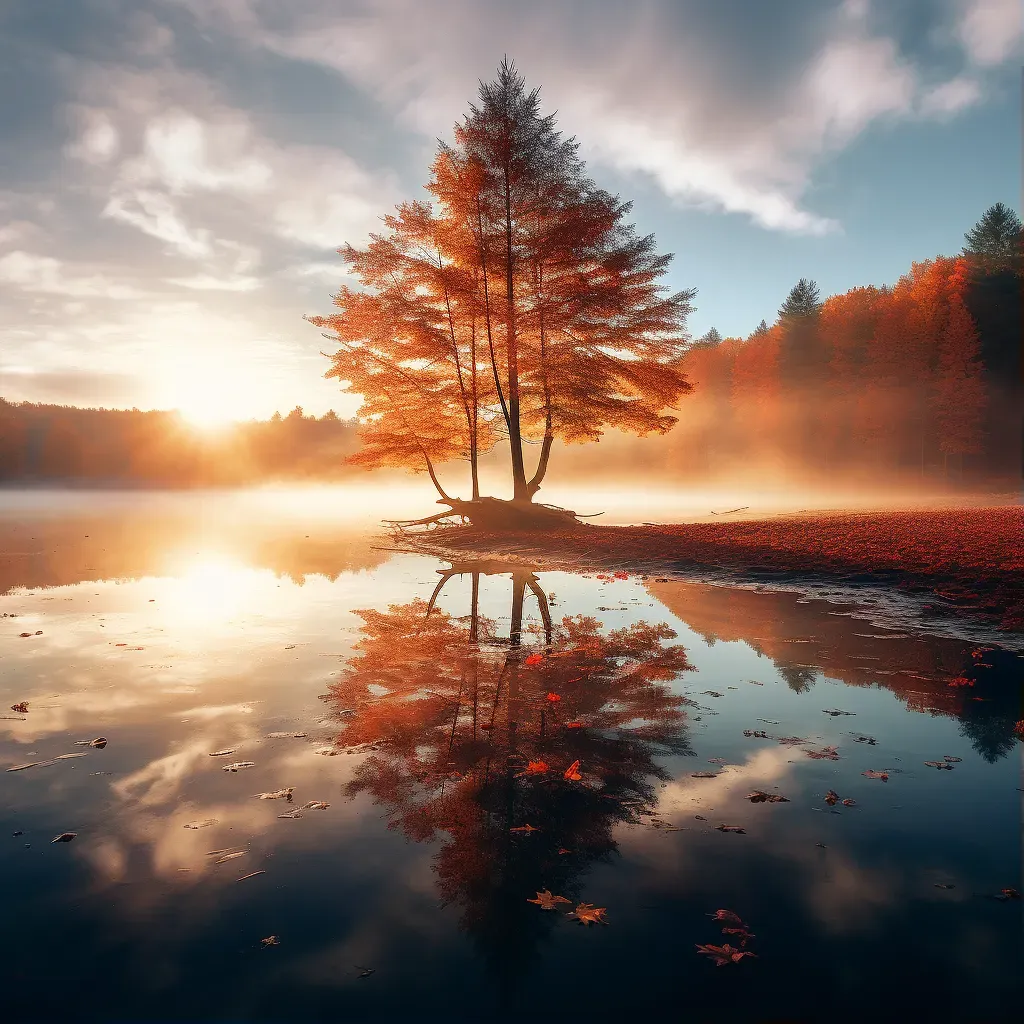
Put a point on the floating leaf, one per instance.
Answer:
(288, 735)
(237, 765)
(270, 940)
(849, 803)
(100, 742)
(835, 712)
(221, 753)
(553, 697)
(1008, 894)
(732, 828)
(572, 773)
(546, 901)
(717, 760)
(728, 916)
(725, 954)
(741, 933)
(43, 764)
(574, 725)
(64, 837)
(825, 754)
(201, 824)
(704, 775)
(831, 797)
(21, 708)
(944, 885)
(525, 829)
(587, 913)
(252, 874)
(224, 858)
(758, 734)
(871, 774)
(952, 760)
(534, 659)
(316, 805)
(280, 794)
(870, 740)
(939, 764)
(757, 797)
(291, 814)
(710, 693)
(534, 768)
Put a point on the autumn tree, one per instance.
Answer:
(541, 269)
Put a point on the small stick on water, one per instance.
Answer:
(252, 874)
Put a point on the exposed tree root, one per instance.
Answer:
(497, 514)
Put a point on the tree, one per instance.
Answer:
(802, 301)
(959, 387)
(536, 279)
(995, 241)
(710, 340)
(801, 363)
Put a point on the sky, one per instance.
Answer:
(177, 175)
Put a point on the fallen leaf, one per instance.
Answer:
(710, 693)
(703, 775)
(587, 913)
(270, 940)
(316, 805)
(717, 760)
(728, 916)
(952, 760)
(100, 742)
(534, 768)
(288, 735)
(741, 933)
(229, 856)
(236, 765)
(866, 739)
(21, 708)
(43, 764)
(757, 797)
(534, 659)
(221, 753)
(825, 754)
(524, 828)
(849, 803)
(64, 837)
(574, 725)
(252, 874)
(831, 797)
(365, 972)
(562, 851)
(835, 712)
(871, 774)
(758, 734)
(572, 773)
(939, 764)
(944, 885)
(546, 901)
(725, 954)
(553, 697)
(201, 824)
(281, 794)
(732, 828)
(1008, 894)
(291, 814)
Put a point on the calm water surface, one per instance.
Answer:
(438, 715)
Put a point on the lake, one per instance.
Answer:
(344, 782)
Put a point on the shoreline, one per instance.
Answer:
(942, 571)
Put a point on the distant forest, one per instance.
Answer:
(921, 379)
(53, 443)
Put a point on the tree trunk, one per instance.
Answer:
(520, 489)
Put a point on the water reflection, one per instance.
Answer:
(285, 640)
(525, 752)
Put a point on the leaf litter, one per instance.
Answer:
(546, 901)
(588, 914)
(758, 797)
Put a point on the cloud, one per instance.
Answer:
(990, 30)
(97, 141)
(209, 283)
(644, 96)
(46, 275)
(951, 97)
(154, 214)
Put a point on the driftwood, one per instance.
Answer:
(497, 514)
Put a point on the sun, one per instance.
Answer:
(206, 415)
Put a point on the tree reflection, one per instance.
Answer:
(472, 735)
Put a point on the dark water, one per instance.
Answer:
(181, 628)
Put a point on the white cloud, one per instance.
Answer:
(46, 275)
(642, 99)
(98, 140)
(207, 282)
(156, 215)
(951, 97)
(990, 30)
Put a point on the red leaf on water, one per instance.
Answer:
(871, 774)
(572, 773)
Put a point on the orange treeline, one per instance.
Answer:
(53, 443)
(914, 378)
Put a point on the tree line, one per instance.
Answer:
(63, 444)
(919, 378)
